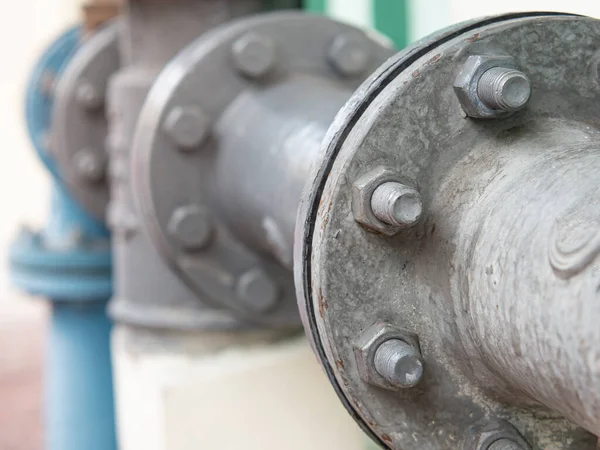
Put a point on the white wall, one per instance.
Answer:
(26, 27)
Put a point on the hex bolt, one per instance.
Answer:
(349, 54)
(399, 363)
(505, 444)
(187, 126)
(191, 226)
(258, 292)
(504, 89)
(89, 165)
(397, 204)
(254, 54)
(88, 96)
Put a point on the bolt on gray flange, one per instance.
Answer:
(490, 86)
(389, 357)
(381, 202)
(406, 118)
(79, 119)
(494, 435)
(253, 57)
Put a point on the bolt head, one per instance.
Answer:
(191, 226)
(366, 346)
(90, 98)
(90, 165)
(349, 54)
(188, 127)
(254, 54)
(466, 84)
(257, 291)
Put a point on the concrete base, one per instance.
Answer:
(225, 392)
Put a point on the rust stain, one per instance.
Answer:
(340, 364)
(416, 74)
(435, 59)
(386, 437)
(356, 405)
(474, 38)
(322, 304)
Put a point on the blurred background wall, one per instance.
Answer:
(27, 27)
(25, 30)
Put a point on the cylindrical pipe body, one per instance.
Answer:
(176, 385)
(79, 407)
(268, 141)
(147, 292)
(524, 274)
(79, 390)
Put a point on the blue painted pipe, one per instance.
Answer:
(80, 409)
(68, 262)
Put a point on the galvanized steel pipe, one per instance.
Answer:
(270, 139)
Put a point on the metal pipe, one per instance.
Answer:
(154, 31)
(278, 133)
(526, 289)
(69, 263)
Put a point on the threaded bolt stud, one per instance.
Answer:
(504, 89)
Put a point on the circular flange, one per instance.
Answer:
(79, 121)
(41, 91)
(204, 80)
(408, 118)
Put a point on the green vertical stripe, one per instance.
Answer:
(391, 18)
(318, 6)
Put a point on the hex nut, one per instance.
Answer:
(484, 434)
(188, 127)
(90, 165)
(191, 226)
(466, 83)
(258, 292)
(367, 344)
(349, 54)
(254, 54)
(362, 193)
(90, 98)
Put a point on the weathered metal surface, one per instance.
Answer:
(505, 335)
(270, 91)
(147, 292)
(79, 123)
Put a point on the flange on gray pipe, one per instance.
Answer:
(223, 148)
(495, 289)
(466, 318)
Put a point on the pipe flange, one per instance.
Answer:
(79, 121)
(41, 91)
(176, 149)
(408, 118)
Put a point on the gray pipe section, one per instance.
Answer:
(147, 292)
(525, 275)
(268, 142)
